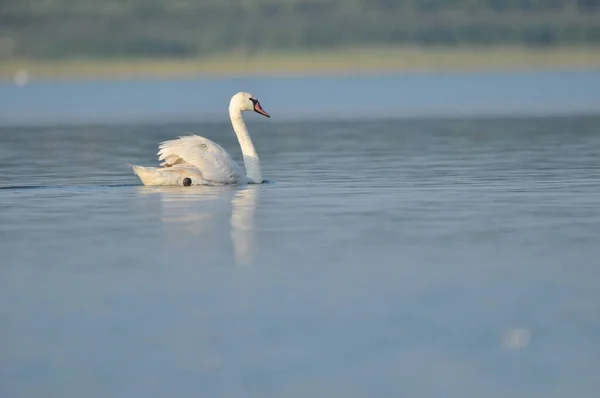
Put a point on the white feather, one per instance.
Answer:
(168, 175)
(209, 158)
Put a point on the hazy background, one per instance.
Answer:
(375, 58)
(185, 28)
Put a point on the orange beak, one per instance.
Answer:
(259, 109)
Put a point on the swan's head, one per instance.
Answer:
(246, 102)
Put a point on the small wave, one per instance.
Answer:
(31, 187)
(24, 187)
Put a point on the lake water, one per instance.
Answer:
(389, 257)
(423, 94)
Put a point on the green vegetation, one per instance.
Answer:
(181, 35)
(188, 28)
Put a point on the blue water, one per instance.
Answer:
(386, 257)
(524, 93)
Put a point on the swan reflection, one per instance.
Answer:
(243, 233)
(206, 212)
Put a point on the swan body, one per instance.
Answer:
(204, 162)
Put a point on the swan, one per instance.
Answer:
(195, 160)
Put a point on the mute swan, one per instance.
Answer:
(195, 160)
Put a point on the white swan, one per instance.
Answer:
(195, 160)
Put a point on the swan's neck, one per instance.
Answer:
(251, 160)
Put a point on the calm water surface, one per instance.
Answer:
(393, 258)
(524, 93)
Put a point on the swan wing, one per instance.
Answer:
(215, 164)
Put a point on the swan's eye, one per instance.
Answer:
(254, 101)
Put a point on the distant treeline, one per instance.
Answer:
(186, 28)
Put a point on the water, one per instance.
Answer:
(524, 93)
(385, 258)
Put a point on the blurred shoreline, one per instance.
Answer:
(370, 60)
